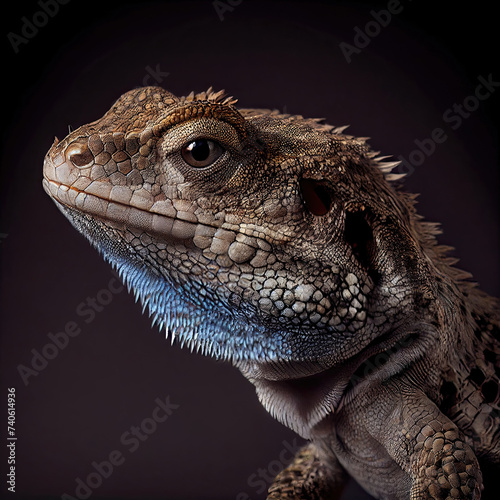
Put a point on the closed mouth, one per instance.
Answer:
(120, 215)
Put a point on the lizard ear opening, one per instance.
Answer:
(316, 196)
(359, 235)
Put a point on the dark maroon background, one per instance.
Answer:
(282, 55)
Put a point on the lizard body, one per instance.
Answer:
(287, 247)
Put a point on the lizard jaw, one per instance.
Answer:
(212, 332)
(194, 313)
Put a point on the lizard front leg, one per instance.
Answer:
(443, 464)
(309, 478)
(429, 446)
(395, 442)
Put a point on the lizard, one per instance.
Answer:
(290, 249)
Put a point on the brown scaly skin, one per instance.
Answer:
(287, 247)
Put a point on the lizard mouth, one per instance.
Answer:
(121, 215)
(300, 395)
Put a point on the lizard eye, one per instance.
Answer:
(79, 154)
(201, 153)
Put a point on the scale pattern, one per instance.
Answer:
(290, 249)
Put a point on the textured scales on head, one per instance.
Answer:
(289, 248)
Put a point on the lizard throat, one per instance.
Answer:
(301, 395)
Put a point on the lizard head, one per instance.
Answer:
(270, 240)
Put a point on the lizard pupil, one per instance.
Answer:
(201, 152)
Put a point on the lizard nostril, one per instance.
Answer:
(79, 154)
